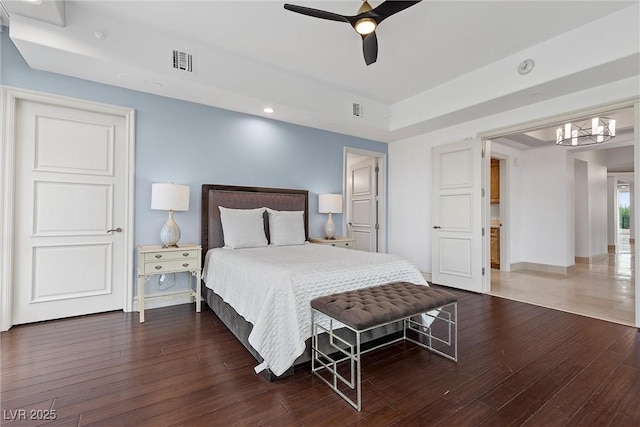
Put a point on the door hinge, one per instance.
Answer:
(483, 150)
(482, 192)
(482, 231)
(483, 271)
(377, 169)
(377, 226)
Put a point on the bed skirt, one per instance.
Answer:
(241, 329)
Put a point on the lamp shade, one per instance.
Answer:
(168, 197)
(330, 203)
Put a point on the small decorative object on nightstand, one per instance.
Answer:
(340, 242)
(156, 259)
(330, 203)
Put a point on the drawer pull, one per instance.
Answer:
(346, 244)
(158, 256)
(158, 267)
(185, 254)
(186, 264)
(333, 244)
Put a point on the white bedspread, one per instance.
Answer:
(272, 288)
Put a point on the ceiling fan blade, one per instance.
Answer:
(388, 8)
(316, 13)
(370, 48)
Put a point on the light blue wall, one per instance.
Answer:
(194, 144)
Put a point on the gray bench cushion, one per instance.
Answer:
(365, 308)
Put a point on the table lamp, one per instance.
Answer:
(170, 197)
(330, 203)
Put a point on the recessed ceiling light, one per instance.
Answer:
(268, 110)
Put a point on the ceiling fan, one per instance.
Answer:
(365, 22)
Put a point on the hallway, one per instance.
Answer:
(603, 289)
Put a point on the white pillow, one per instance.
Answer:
(243, 228)
(286, 227)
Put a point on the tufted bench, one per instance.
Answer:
(419, 307)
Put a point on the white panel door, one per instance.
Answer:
(363, 218)
(457, 217)
(70, 196)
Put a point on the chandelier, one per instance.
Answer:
(602, 129)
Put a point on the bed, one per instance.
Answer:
(262, 294)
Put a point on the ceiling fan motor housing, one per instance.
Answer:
(365, 22)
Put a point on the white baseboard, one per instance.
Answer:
(547, 268)
(427, 276)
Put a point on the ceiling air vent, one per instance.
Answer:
(182, 61)
(356, 110)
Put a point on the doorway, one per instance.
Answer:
(562, 217)
(499, 218)
(623, 218)
(365, 199)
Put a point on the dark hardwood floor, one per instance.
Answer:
(519, 364)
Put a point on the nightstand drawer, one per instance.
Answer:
(169, 266)
(347, 245)
(338, 242)
(170, 255)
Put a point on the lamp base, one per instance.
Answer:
(170, 246)
(170, 233)
(330, 229)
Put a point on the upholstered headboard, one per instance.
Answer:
(234, 197)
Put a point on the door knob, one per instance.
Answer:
(117, 230)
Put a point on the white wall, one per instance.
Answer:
(581, 192)
(612, 208)
(597, 201)
(570, 236)
(410, 168)
(544, 206)
(597, 209)
(410, 201)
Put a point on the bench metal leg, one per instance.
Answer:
(351, 352)
(348, 352)
(450, 317)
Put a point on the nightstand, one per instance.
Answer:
(155, 259)
(340, 242)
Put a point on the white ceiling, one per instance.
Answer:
(250, 54)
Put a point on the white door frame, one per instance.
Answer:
(572, 115)
(10, 98)
(382, 191)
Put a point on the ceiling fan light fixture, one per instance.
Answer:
(364, 22)
(365, 26)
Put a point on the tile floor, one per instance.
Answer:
(603, 289)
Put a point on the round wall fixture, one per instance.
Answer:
(526, 66)
(99, 35)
